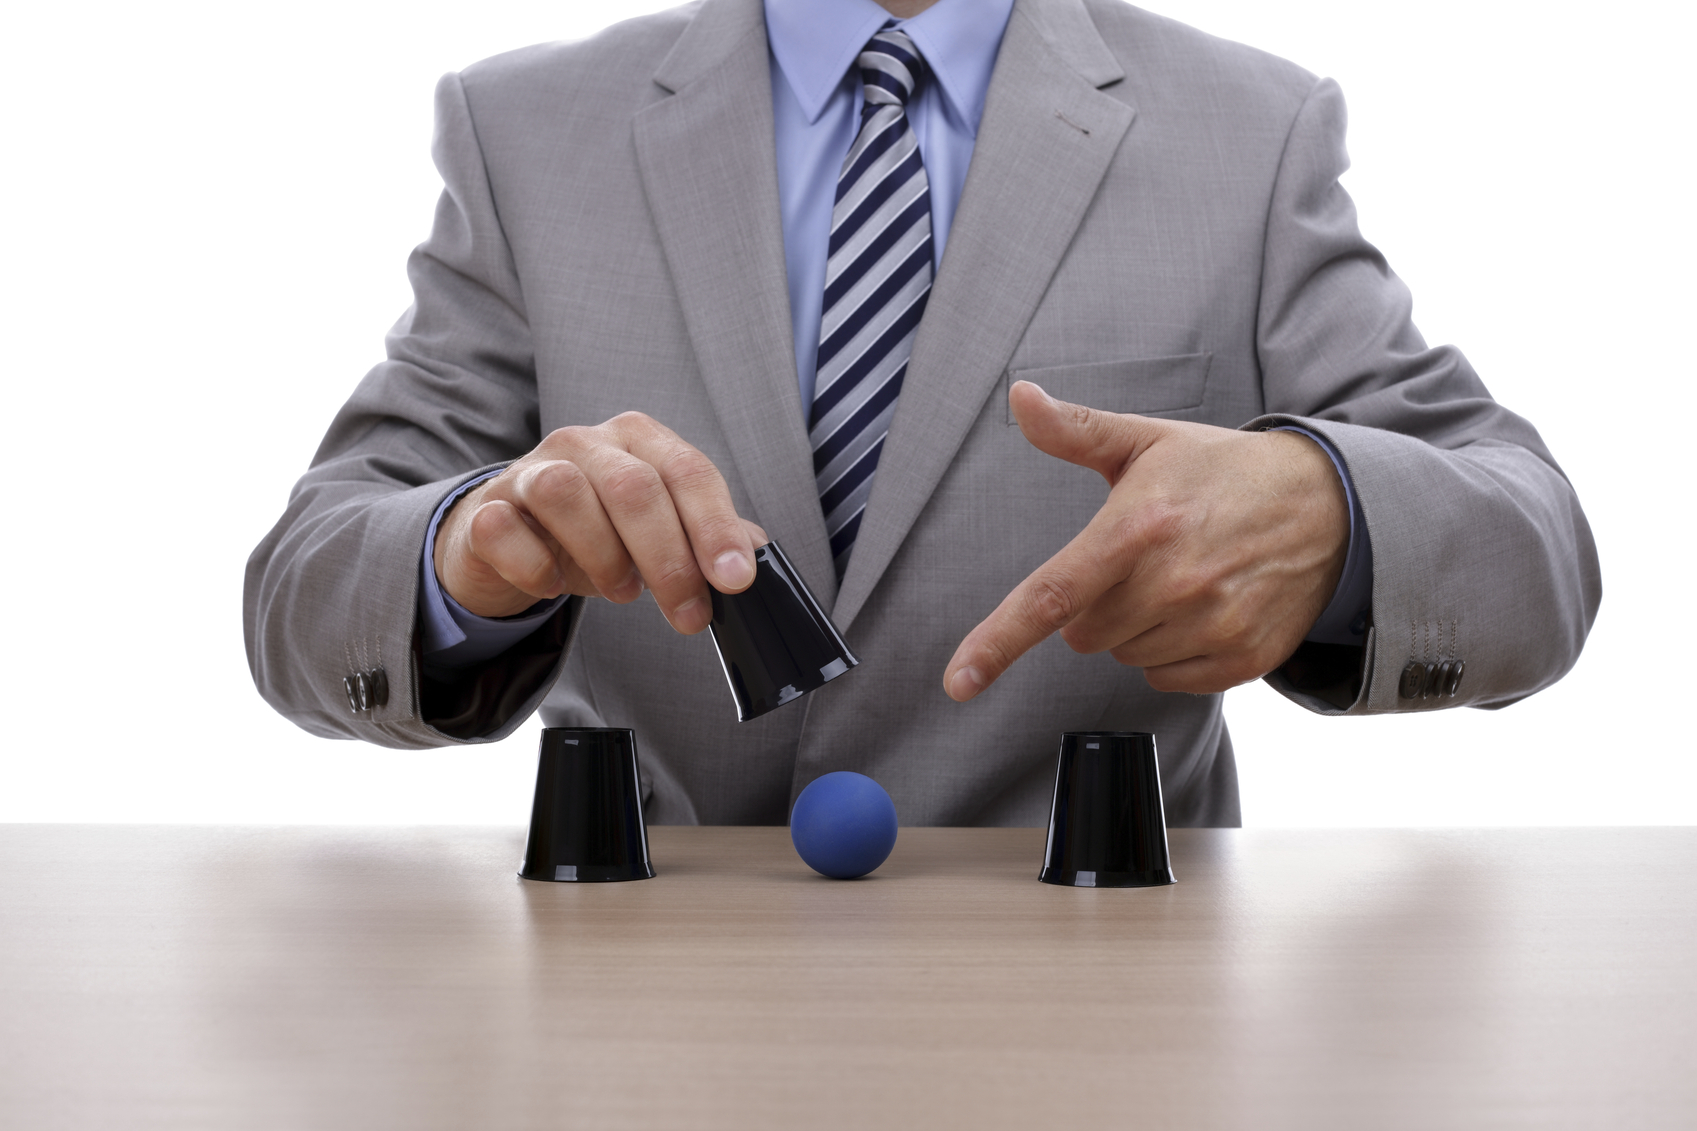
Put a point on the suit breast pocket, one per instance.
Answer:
(1147, 386)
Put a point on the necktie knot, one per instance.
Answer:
(891, 68)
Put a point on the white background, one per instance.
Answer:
(208, 211)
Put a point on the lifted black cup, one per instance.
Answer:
(775, 643)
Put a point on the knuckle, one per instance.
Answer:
(673, 574)
(489, 524)
(1236, 629)
(1159, 522)
(533, 574)
(1162, 679)
(688, 469)
(1054, 599)
(1197, 678)
(559, 479)
(1188, 585)
(996, 655)
(572, 437)
(1224, 678)
(631, 484)
(1246, 670)
(634, 423)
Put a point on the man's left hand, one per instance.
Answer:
(1212, 558)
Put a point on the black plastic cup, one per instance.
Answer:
(775, 643)
(586, 825)
(1107, 828)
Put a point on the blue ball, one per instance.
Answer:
(843, 825)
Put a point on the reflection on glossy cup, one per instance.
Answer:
(1106, 826)
(586, 824)
(775, 643)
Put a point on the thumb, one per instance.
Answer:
(1105, 442)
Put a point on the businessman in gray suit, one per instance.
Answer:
(1032, 329)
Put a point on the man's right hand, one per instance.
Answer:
(607, 511)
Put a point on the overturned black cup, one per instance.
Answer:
(1106, 826)
(775, 643)
(586, 824)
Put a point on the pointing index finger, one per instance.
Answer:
(1045, 602)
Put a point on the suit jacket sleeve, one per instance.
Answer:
(333, 587)
(1481, 552)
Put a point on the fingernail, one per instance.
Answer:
(966, 683)
(687, 611)
(734, 569)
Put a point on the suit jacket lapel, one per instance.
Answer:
(1047, 138)
(710, 174)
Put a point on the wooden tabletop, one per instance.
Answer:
(327, 978)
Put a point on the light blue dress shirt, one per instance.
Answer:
(816, 96)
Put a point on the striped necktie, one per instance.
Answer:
(877, 278)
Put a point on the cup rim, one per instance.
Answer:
(1108, 734)
(589, 730)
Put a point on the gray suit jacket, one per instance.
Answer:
(1152, 223)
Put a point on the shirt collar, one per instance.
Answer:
(816, 41)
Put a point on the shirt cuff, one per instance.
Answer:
(1345, 618)
(448, 635)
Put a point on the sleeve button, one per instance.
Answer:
(379, 687)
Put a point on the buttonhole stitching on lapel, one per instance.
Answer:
(1073, 124)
